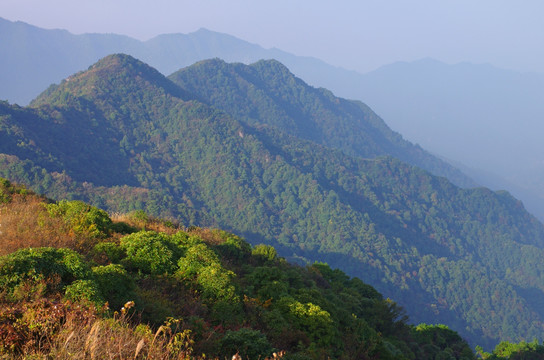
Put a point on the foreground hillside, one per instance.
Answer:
(77, 284)
(124, 137)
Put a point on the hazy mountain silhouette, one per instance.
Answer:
(33, 58)
(486, 118)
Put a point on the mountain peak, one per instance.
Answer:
(124, 63)
(112, 74)
(273, 65)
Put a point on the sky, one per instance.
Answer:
(355, 34)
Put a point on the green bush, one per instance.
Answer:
(265, 252)
(227, 313)
(215, 282)
(82, 218)
(115, 284)
(151, 252)
(310, 318)
(85, 290)
(122, 228)
(109, 251)
(248, 343)
(5, 191)
(440, 342)
(268, 282)
(41, 263)
(234, 247)
(196, 257)
(201, 265)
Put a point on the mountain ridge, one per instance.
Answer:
(286, 102)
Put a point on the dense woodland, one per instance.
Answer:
(267, 93)
(124, 138)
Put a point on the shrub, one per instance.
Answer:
(248, 343)
(201, 264)
(265, 252)
(215, 282)
(268, 282)
(85, 290)
(83, 219)
(108, 251)
(196, 257)
(122, 228)
(115, 284)
(151, 252)
(5, 191)
(41, 263)
(234, 247)
(310, 318)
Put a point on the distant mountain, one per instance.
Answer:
(33, 58)
(486, 118)
(123, 137)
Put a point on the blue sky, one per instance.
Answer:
(355, 34)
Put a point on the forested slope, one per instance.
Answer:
(266, 92)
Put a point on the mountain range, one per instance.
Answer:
(254, 150)
(482, 119)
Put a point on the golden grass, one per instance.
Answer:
(24, 223)
(118, 339)
(146, 223)
(53, 330)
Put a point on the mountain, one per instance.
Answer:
(61, 54)
(34, 58)
(469, 258)
(476, 115)
(266, 92)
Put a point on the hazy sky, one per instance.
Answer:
(355, 34)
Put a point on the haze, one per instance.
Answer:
(358, 35)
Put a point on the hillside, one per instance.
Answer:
(468, 258)
(267, 93)
(144, 288)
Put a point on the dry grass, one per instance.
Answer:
(210, 236)
(118, 339)
(24, 223)
(140, 221)
(53, 330)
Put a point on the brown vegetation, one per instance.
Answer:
(24, 222)
(57, 329)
